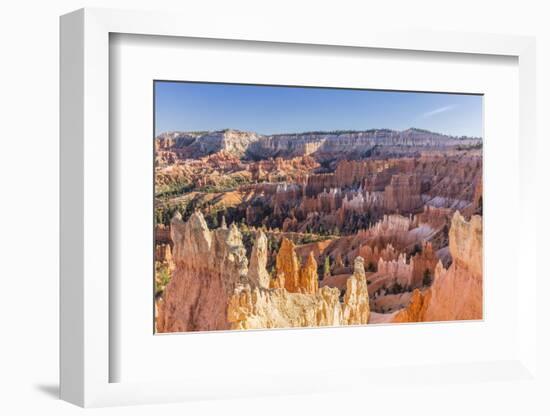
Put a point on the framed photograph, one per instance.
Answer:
(236, 209)
(322, 225)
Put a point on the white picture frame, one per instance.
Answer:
(85, 220)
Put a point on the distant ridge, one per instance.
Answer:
(319, 132)
(340, 142)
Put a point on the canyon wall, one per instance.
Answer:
(457, 292)
(197, 144)
(355, 142)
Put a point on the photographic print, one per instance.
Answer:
(291, 206)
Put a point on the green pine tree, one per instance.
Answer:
(326, 271)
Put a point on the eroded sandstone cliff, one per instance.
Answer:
(208, 266)
(456, 292)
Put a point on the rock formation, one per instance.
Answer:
(289, 266)
(403, 194)
(163, 254)
(456, 293)
(351, 142)
(309, 281)
(277, 308)
(356, 300)
(393, 271)
(423, 265)
(202, 144)
(373, 255)
(257, 273)
(256, 308)
(208, 265)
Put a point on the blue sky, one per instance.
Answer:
(187, 106)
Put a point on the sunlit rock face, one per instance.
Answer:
(213, 289)
(257, 273)
(256, 308)
(309, 281)
(208, 265)
(288, 266)
(360, 142)
(277, 308)
(356, 300)
(466, 243)
(456, 292)
(185, 145)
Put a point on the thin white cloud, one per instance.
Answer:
(438, 111)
